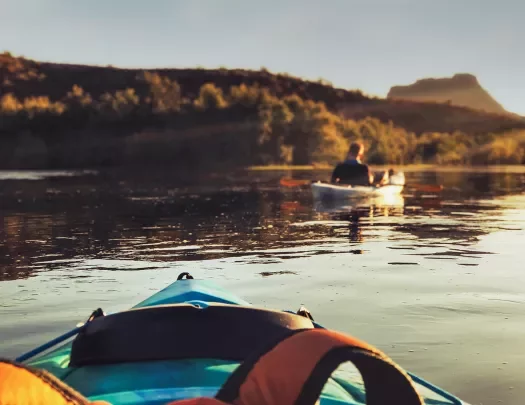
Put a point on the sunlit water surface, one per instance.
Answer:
(435, 280)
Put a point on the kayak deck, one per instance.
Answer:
(331, 192)
(159, 382)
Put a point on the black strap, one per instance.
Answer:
(384, 382)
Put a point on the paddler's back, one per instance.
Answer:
(354, 173)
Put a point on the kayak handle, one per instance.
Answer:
(185, 274)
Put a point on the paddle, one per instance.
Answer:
(48, 345)
(32, 353)
(426, 188)
(293, 183)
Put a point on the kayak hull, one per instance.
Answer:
(323, 191)
(162, 381)
(330, 198)
(329, 191)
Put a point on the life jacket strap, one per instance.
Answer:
(293, 371)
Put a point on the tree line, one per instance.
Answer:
(276, 129)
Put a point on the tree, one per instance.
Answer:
(312, 130)
(247, 96)
(77, 98)
(210, 98)
(9, 104)
(164, 95)
(34, 106)
(79, 107)
(274, 122)
(10, 117)
(118, 106)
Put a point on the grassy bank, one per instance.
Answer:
(402, 168)
(269, 168)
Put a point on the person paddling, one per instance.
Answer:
(352, 171)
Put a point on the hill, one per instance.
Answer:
(59, 115)
(461, 89)
(26, 78)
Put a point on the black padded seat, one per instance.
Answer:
(182, 331)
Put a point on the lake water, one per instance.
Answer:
(436, 281)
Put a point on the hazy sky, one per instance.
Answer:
(366, 44)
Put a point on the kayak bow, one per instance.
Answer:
(184, 342)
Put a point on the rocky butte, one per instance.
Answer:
(462, 89)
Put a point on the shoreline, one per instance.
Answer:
(65, 171)
(404, 168)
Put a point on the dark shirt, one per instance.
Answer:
(351, 172)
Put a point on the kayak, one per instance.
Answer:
(323, 190)
(329, 191)
(184, 342)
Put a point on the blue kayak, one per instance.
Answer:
(184, 342)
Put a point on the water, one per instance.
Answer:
(436, 281)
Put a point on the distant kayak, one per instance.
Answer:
(322, 191)
(189, 339)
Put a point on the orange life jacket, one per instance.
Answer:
(293, 370)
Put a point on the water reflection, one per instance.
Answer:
(59, 221)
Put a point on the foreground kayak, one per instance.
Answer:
(184, 342)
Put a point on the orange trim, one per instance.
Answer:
(293, 183)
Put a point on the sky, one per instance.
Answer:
(356, 44)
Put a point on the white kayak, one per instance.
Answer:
(323, 191)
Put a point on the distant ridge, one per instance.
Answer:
(462, 89)
(29, 78)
